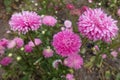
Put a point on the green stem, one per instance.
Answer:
(85, 40)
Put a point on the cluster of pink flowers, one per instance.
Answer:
(25, 21)
(66, 43)
(16, 42)
(29, 21)
(93, 23)
(36, 42)
(29, 47)
(5, 61)
(96, 25)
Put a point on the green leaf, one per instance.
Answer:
(118, 76)
(90, 63)
(107, 74)
(26, 77)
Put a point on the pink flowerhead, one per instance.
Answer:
(25, 21)
(96, 47)
(104, 56)
(4, 42)
(36, 42)
(96, 25)
(74, 61)
(11, 44)
(6, 61)
(118, 12)
(70, 77)
(28, 48)
(56, 63)
(19, 42)
(49, 21)
(66, 43)
(68, 23)
(48, 53)
(114, 54)
(90, 1)
(70, 6)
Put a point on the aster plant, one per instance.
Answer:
(43, 48)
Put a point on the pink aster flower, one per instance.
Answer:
(70, 6)
(48, 53)
(118, 12)
(66, 43)
(70, 77)
(36, 42)
(68, 23)
(49, 21)
(19, 42)
(96, 25)
(4, 42)
(25, 21)
(104, 56)
(11, 44)
(114, 54)
(74, 61)
(6, 61)
(96, 48)
(90, 1)
(56, 63)
(28, 48)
